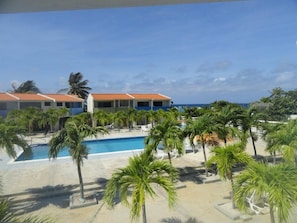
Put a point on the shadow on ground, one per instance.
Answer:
(34, 199)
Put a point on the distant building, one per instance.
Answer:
(124, 101)
(13, 101)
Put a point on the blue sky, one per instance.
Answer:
(195, 53)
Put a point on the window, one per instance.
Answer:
(47, 103)
(59, 104)
(3, 106)
(143, 104)
(104, 104)
(124, 103)
(158, 103)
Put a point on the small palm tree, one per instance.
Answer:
(169, 135)
(139, 176)
(11, 135)
(277, 183)
(226, 158)
(72, 137)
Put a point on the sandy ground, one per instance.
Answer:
(31, 180)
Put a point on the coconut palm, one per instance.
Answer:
(277, 183)
(139, 176)
(169, 135)
(226, 158)
(25, 87)
(201, 129)
(78, 86)
(72, 136)
(11, 135)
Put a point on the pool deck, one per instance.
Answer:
(43, 187)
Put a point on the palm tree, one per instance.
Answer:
(277, 183)
(25, 87)
(169, 135)
(226, 158)
(284, 140)
(78, 86)
(11, 135)
(72, 137)
(201, 127)
(226, 122)
(139, 176)
(250, 117)
(100, 117)
(130, 117)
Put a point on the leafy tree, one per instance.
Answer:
(226, 158)
(169, 135)
(11, 135)
(277, 183)
(25, 87)
(72, 137)
(139, 176)
(77, 86)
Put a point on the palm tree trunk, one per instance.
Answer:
(143, 214)
(205, 159)
(253, 142)
(169, 157)
(81, 184)
(232, 190)
(272, 220)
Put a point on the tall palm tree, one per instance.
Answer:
(25, 87)
(249, 118)
(78, 86)
(169, 135)
(139, 176)
(277, 183)
(11, 135)
(226, 158)
(72, 137)
(130, 117)
(203, 128)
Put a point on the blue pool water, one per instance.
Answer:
(95, 146)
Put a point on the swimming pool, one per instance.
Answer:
(95, 147)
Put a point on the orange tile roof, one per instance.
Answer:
(150, 97)
(64, 97)
(122, 96)
(7, 97)
(110, 97)
(29, 97)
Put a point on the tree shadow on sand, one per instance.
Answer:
(34, 199)
(177, 220)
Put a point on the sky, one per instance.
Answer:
(194, 53)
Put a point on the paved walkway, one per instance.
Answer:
(32, 181)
